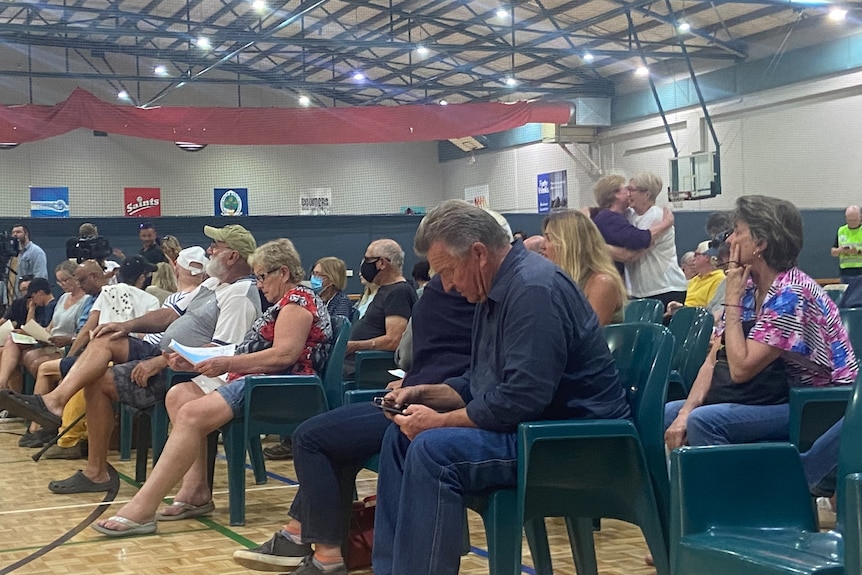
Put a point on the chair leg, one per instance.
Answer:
(125, 433)
(465, 536)
(503, 533)
(580, 531)
(255, 455)
(142, 447)
(212, 451)
(537, 539)
(234, 447)
(158, 429)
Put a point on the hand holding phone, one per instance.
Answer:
(385, 405)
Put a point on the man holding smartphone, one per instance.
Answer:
(848, 245)
(537, 353)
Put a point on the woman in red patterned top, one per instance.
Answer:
(291, 337)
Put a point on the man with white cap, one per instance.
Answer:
(218, 312)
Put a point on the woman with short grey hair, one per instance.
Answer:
(779, 329)
(655, 273)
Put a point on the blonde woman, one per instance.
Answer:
(164, 281)
(171, 248)
(573, 242)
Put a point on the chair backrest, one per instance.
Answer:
(332, 374)
(692, 330)
(646, 309)
(372, 369)
(642, 353)
(851, 318)
(849, 454)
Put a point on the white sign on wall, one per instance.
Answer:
(315, 202)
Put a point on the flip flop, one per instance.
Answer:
(189, 511)
(29, 407)
(132, 527)
(78, 483)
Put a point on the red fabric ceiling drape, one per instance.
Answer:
(274, 126)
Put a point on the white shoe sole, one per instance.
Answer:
(263, 562)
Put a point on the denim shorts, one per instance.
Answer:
(233, 394)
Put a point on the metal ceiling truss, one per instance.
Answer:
(314, 47)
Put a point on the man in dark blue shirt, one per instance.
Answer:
(537, 353)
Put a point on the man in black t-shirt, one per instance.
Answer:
(386, 317)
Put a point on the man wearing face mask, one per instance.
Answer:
(386, 318)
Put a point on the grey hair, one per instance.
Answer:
(649, 182)
(777, 223)
(389, 249)
(277, 253)
(68, 267)
(686, 258)
(458, 225)
(606, 188)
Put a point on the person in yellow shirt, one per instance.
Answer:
(702, 286)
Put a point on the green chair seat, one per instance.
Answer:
(719, 551)
(643, 310)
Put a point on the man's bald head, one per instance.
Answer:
(853, 216)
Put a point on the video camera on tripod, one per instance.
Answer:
(9, 248)
(89, 248)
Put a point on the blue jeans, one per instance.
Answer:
(820, 463)
(421, 492)
(724, 423)
(325, 448)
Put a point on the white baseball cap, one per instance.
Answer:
(194, 259)
(111, 265)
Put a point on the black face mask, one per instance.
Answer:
(368, 271)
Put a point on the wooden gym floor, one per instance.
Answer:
(32, 518)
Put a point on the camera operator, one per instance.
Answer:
(31, 258)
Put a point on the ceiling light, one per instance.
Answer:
(684, 27)
(203, 43)
(837, 14)
(642, 71)
(304, 101)
(190, 146)
(358, 77)
(422, 50)
(123, 95)
(510, 81)
(503, 14)
(160, 70)
(441, 102)
(588, 57)
(259, 5)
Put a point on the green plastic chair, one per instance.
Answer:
(746, 509)
(643, 310)
(814, 410)
(590, 469)
(278, 404)
(371, 370)
(692, 330)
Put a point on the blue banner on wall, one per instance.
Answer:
(231, 201)
(49, 202)
(552, 191)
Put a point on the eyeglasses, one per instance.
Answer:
(262, 277)
(373, 259)
(636, 189)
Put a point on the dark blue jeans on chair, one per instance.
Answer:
(420, 494)
(324, 448)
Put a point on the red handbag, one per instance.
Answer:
(360, 537)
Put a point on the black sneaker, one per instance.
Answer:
(309, 567)
(283, 450)
(274, 555)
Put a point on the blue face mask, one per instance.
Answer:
(316, 284)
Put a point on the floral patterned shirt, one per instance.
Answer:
(800, 319)
(262, 332)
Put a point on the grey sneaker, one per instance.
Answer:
(309, 567)
(274, 555)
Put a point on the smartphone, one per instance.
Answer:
(381, 402)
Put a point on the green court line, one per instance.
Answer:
(213, 525)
